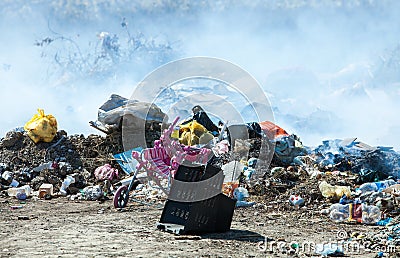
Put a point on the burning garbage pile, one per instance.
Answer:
(247, 165)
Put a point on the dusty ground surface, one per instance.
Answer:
(64, 228)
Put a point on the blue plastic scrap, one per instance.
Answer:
(126, 161)
(331, 249)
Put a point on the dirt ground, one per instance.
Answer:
(63, 228)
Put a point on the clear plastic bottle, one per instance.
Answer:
(370, 214)
(367, 187)
(21, 192)
(381, 185)
(7, 175)
(367, 214)
(65, 184)
(376, 186)
(339, 212)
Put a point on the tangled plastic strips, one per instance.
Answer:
(208, 68)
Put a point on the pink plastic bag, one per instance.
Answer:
(106, 172)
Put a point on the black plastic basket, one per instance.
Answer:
(213, 214)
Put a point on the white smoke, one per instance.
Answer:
(330, 68)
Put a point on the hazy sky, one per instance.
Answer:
(320, 66)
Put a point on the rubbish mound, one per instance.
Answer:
(52, 162)
(346, 180)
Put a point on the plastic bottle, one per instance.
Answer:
(67, 181)
(367, 187)
(7, 175)
(339, 212)
(367, 214)
(385, 184)
(375, 186)
(370, 214)
(21, 192)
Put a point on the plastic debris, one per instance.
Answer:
(296, 200)
(330, 249)
(334, 192)
(106, 172)
(375, 186)
(41, 127)
(67, 181)
(221, 148)
(93, 193)
(241, 194)
(21, 193)
(359, 212)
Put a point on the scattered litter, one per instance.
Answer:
(358, 212)
(363, 186)
(221, 148)
(93, 193)
(14, 207)
(106, 172)
(330, 249)
(46, 191)
(241, 194)
(375, 186)
(66, 183)
(21, 193)
(296, 200)
(334, 191)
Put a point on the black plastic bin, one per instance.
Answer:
(210, 215)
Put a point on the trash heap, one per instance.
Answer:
(29, 163)
(345, 181)
(39, 154)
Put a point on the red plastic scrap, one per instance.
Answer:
(272, 130)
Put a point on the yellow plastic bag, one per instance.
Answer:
(190, 133)
(334, 191)
(41, 127)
